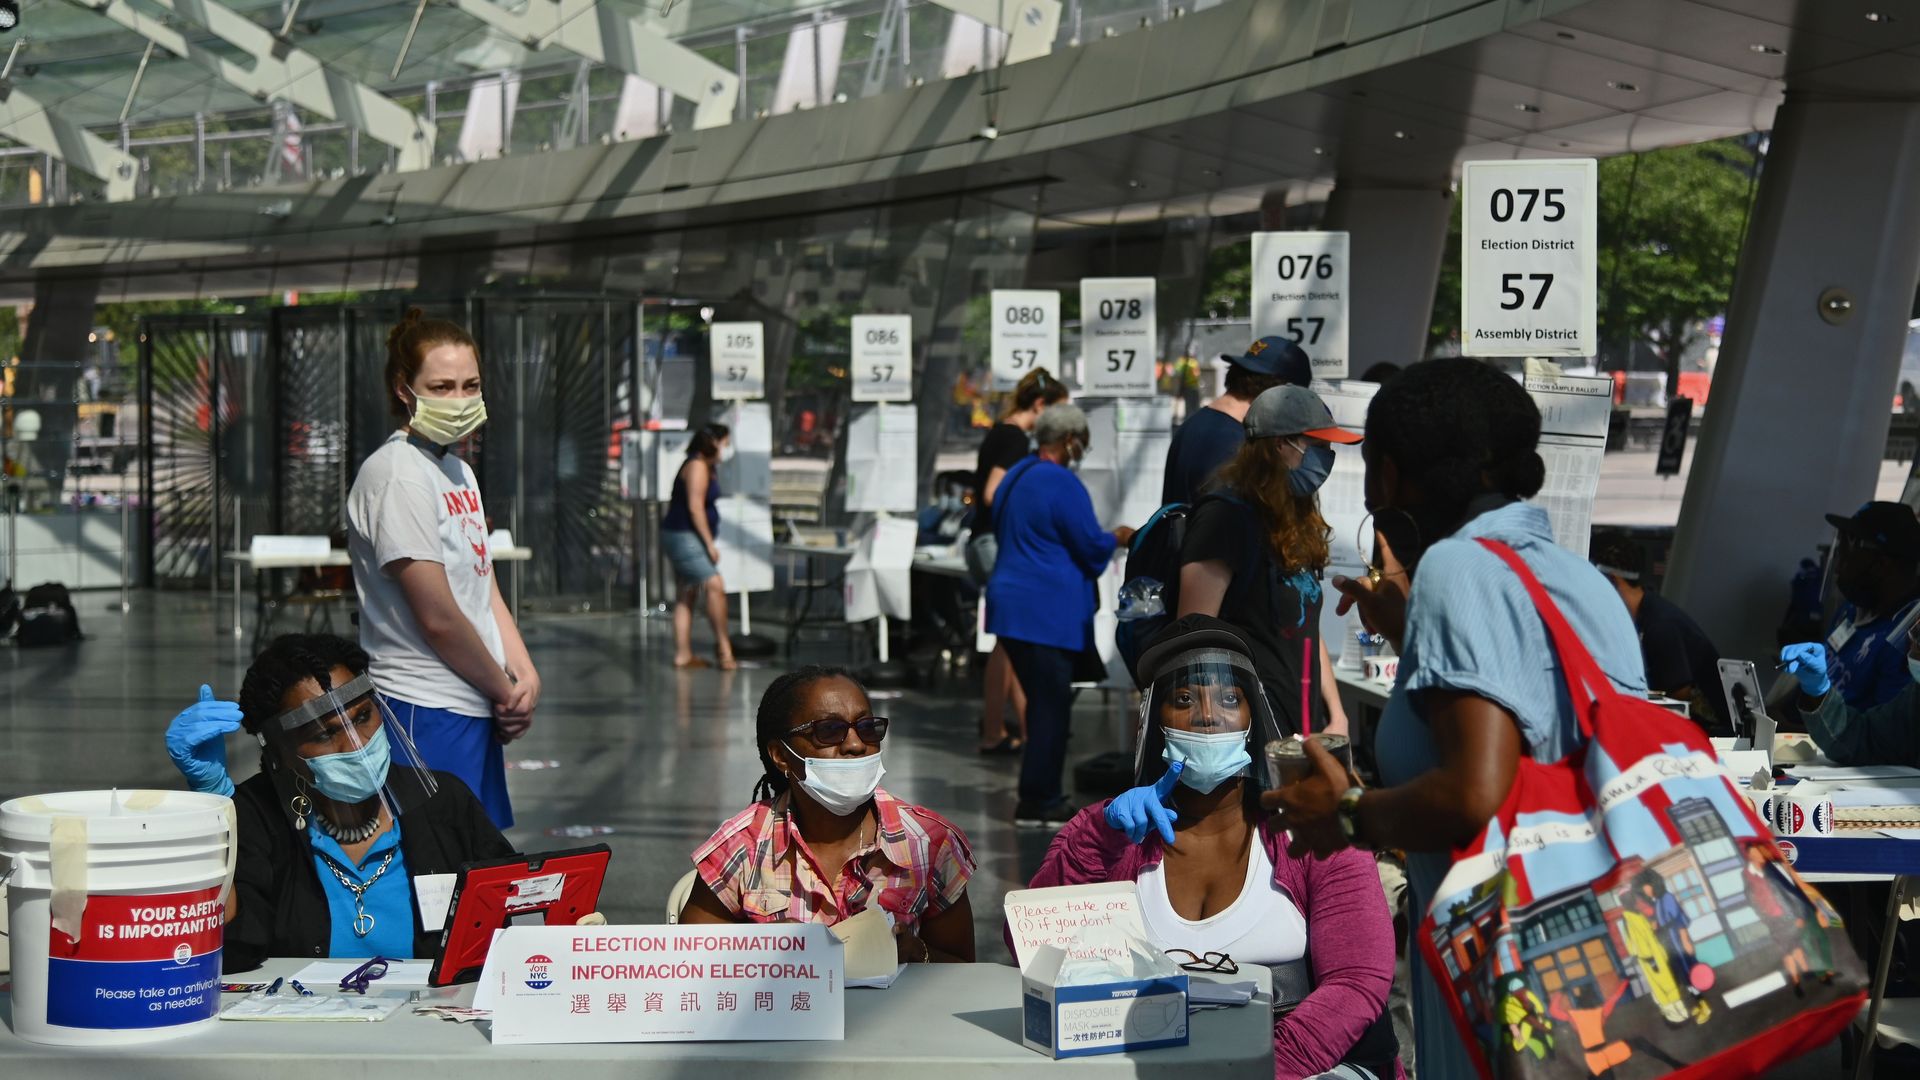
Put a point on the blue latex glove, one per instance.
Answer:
(1134, 812)
(196, 741)
(1808, 663)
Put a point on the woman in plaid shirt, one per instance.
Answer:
(822, 841)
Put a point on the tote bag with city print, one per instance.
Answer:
(1626, 914)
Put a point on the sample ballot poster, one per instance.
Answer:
(1527, 251)
(1574, 410)
(1026, 334)
(1117, 337)
(882, 451)
(1300, 292)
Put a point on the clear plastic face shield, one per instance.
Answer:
(340, 758)
(1205, 708)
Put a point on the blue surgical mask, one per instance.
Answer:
(1211, 760)
(1316, 462)
(353, 776)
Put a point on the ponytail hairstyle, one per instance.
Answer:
(776, 717)
(1038, 387)
(408, 344)
(1457, 429)
(290, 660)
(706, 441)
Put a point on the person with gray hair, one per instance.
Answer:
(1041, 596)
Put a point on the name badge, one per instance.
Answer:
(1840, 636)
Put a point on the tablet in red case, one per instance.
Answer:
(561, 886)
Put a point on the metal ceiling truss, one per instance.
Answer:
(604, 35)
(25, 119)
(281, 71)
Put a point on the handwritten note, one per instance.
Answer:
(1058, 916)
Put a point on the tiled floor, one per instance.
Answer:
(622, 743)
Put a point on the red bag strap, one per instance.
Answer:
(1586, 683)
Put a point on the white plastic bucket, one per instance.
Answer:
(116, 913)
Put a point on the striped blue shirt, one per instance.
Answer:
(1471, 627)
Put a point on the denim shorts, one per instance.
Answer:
(687, 555)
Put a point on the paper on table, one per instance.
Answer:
(1901, 834)
(1202, 992)
(1848, 773)
(487, 990)
(1853, 798)
(314, 1007)
(877, 982)
(328, 973)
(871, 950)
(434, 893)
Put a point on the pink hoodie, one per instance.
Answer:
(1349, 931)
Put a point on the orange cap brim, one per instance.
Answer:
(1334, 435)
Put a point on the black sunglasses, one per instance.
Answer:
(834, 732)
(1214, 961)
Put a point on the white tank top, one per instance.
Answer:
(1261, 926)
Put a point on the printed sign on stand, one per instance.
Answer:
(601, 984)
(882, 354)
(1300, 292)
(1118, 338)
(1026, 334)
(1527, 257)
(739, 361)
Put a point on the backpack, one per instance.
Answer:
(1150, 598)
(9, 609)
(47, 616)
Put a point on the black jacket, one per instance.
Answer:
(282, 908)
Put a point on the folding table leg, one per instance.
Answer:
(1889, 931)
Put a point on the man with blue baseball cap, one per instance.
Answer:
(1211, 436)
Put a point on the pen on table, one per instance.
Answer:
(275, 988)
(301, 990)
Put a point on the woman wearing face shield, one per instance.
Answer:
(1255, 549)
(337, 824)
(1217, 885)
(823, 841)
(1041, 598)
(1451, 452)
(446, 652)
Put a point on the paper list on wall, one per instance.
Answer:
(1099, 468)
(746, 544)
(882, 454)
(1343, 501)
(1574, 411)
(1143, 432)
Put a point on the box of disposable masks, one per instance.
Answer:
(1089, 981)
(1076, 1008)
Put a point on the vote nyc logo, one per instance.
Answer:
(539, 972)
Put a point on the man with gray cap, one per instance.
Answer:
(1209, 437)
(1040, 597)
(1255, 548)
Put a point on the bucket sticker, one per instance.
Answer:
(140, 962)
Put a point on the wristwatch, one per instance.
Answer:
(1348, 814)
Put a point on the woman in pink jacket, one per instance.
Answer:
(1217, 886)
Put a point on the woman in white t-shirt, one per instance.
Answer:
(446, 653)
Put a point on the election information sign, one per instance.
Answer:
(1026, 334)
(1527, 251)
(738, 353)
(1118, 342)
(581, 984)
(1300, 292)
(882, 357)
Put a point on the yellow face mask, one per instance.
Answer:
(448, 420)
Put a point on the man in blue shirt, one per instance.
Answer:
(1211, 436)
(1876, 566)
